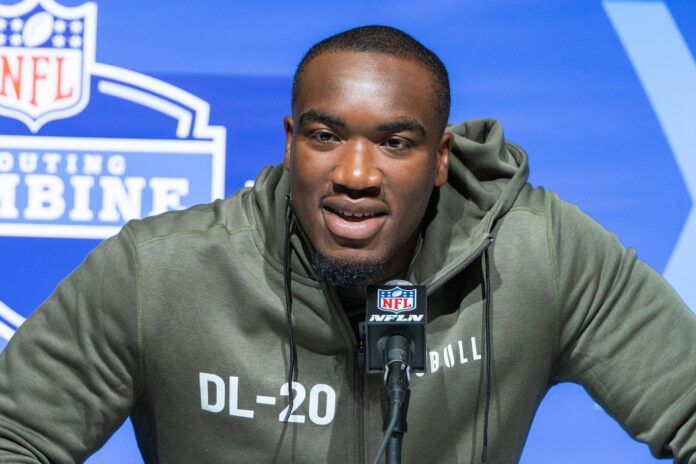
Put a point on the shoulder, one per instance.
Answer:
(561, 223)
(539, 201)
(228, 215)
(523, 233)
(528, 215)
(541, 226)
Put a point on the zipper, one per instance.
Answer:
(354, 347)
(359, 382)
(362, 373)
(434, 286)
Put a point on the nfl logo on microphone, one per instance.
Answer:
(397, 300)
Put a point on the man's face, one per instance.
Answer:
(364, 151)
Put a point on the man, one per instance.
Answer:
(189, 321)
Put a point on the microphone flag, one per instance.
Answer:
(391, 310)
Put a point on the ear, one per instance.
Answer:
(443, 152)
(289, 131)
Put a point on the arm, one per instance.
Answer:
(68, 378)
(624, 334)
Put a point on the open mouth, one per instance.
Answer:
(353, 216)
(353, 226)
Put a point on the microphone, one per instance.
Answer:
(395, 307)
(395, 336)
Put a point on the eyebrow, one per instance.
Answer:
(396, 125)
(322, 117)
(402, 125)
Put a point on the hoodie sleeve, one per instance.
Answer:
(68, 376)
(624, 334)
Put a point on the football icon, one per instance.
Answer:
(38, 29)
(397, 293)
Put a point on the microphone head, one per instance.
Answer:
(395, 308)
(397, 282)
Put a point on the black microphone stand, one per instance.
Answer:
(397, 356)
(401, 426)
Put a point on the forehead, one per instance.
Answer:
(368, 83)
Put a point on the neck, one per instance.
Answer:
(399, 263)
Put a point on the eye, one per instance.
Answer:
(396, 143)
(323, 136)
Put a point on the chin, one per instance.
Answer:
(348, 269)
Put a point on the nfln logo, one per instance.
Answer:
(396, 300)
(122, 145)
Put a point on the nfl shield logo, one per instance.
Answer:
(46, 54)
(397, 300)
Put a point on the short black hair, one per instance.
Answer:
(390, 41)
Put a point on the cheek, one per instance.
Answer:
(308, 182)
(307, 172)
(411, 193)
(413, 181)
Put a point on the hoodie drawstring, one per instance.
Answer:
(292, 369)
(487, 360)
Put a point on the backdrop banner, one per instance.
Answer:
(111, 111)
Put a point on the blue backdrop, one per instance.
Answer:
(181, 101)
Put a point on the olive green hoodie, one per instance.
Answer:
(179, 322)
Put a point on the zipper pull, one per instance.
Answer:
(360, 350)
(361, 354)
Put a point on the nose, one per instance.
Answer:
(356, 173)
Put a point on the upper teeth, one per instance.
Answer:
(349, 214)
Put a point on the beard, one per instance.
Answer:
(340, 273)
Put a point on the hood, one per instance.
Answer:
(485, 175)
